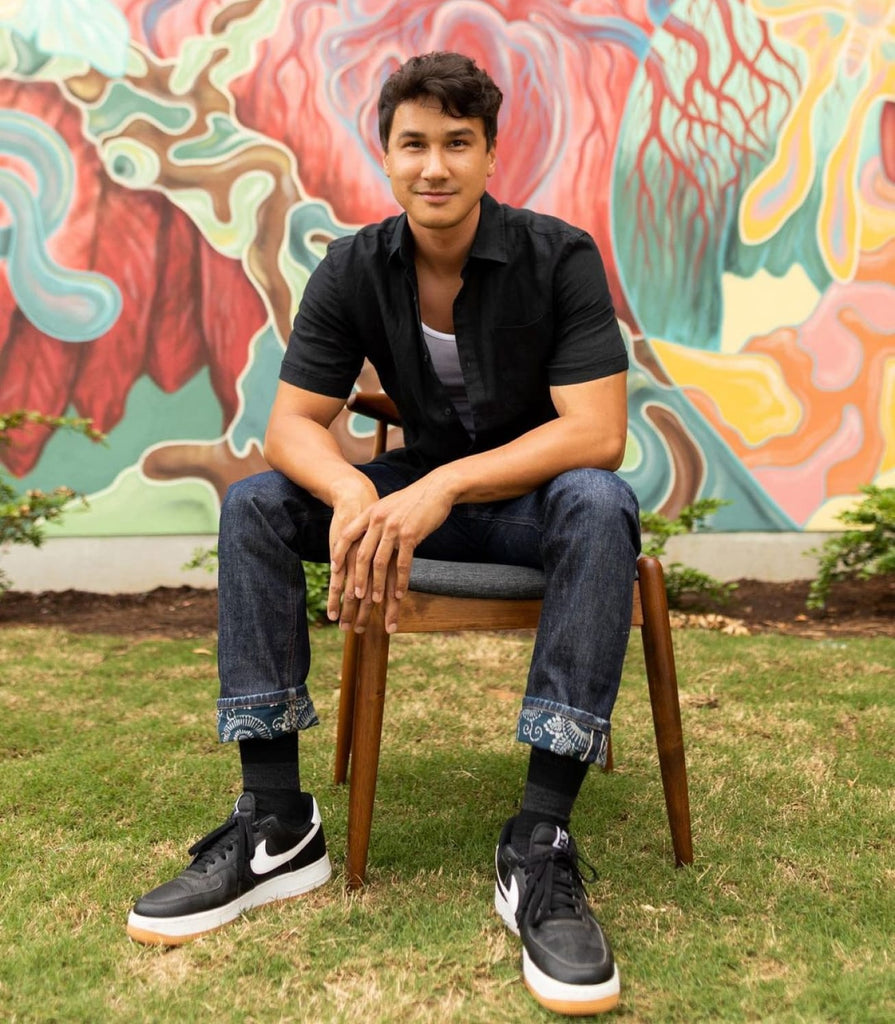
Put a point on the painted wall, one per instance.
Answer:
(172, 170)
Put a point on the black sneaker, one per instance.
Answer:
(243, 864)
(566, 961)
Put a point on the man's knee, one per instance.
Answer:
(269, 496)
(261, 488)
(595, 493)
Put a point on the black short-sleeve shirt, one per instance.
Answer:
(534, 311)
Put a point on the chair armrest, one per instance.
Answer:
(376, 405)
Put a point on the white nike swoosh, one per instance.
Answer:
(263, 862)
(511, 894)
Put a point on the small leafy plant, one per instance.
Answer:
(23, 516)
(316, 580)
(680, 580)
(865, 551)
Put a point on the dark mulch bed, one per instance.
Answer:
(854, 609)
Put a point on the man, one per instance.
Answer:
(493, 331)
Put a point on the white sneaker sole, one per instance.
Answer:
(174, 931)
(559, 996)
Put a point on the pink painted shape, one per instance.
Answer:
(836, 353)
(801, 489)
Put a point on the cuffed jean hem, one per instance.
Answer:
(561, 730)
(265, 715)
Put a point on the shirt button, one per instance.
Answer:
(447, 412)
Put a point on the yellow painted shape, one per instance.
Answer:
(235, 236)
(762, 303)
(780, 189)
(748, 389)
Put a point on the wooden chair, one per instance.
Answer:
(458, 596)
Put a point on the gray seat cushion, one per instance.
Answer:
(475, 579)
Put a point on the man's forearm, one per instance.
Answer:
(310, 456)
(526, 463)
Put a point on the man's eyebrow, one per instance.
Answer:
(409, 133)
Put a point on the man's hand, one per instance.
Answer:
(341, 602)
(372, 553)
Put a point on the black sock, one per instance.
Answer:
(551, 789)
(270, 774)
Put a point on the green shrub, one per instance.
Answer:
(681, 581)
(868, 550)
(23, 516)
(316, 580)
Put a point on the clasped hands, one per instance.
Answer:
(372, 541)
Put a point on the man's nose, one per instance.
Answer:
(434, 166)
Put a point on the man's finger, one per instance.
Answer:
(349, 601)
(380, 567)
(362, 615)
(363, 555)
(403, 561)
(334, 597)
(392, 602)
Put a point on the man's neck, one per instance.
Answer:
(444, 250)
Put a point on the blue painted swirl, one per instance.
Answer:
(71, 305)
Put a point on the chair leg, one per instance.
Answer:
(345, 726)
(372, 669)
(662, 679)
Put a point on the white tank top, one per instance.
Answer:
(446, 363)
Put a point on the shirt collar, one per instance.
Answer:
(490, 242)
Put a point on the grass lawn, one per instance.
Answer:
(111, 769)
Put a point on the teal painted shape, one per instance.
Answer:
(28, 59)
(259, 382)
(92, 30)
(259, 385)
(221, 139)
(34, 142)
(724, 476)
(190, 414)
(671, 260)
(123, 102)
(306, 219)
(70, 305)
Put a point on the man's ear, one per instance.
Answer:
(385, 164)
(492, 158)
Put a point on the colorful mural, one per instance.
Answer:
(171, 171)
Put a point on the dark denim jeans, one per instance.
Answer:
(582, 528)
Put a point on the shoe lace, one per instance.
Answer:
(555, 885)
(237, 830)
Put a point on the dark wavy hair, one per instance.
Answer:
(462, 89)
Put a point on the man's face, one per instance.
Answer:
(438, 165)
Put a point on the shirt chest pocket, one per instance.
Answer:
(520, 354)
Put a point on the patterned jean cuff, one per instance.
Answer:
(264, 721)
(551, 730)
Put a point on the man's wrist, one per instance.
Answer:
(351, 487)
(448, 480)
